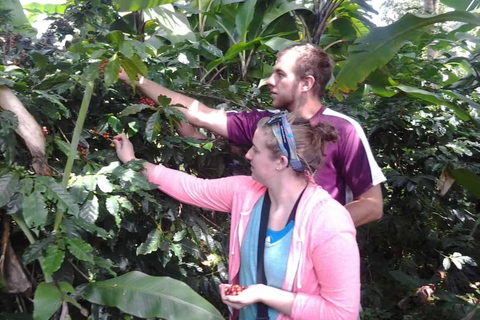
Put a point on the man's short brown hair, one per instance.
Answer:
(312, 61)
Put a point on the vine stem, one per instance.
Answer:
(73, 145)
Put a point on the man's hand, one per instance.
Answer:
(123, 76)
(124, 148)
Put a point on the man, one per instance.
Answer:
(350, 173)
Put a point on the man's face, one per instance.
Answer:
(283, 84)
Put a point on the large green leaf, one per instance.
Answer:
(135, 5)
(459, 96)
(147, 297)
(47, 301)
(381, 44)
(8, 186)
(467, 179)
(462, 5)
(18, 17)
(35, 9)
(278, 9)
(434, 99)
(245, 14)
(175, 25)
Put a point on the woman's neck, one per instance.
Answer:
(283, 196)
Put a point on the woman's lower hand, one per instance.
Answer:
(124, 148)
(246, 297)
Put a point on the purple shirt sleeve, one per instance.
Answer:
(242, 125)
(356, 170)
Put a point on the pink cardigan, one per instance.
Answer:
(323, 267)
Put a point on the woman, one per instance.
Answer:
(311, 260)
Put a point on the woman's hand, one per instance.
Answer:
(248, 296)
(124, 148)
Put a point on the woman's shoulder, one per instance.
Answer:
(328, 213)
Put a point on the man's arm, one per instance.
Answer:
(198, 114)
(367, 207)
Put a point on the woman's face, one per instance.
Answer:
(263, 165)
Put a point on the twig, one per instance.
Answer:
(79, 271)
(216, 74)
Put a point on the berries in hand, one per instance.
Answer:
(234, 290)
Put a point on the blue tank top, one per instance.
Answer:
(277, 249)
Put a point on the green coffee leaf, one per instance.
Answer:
(80, 249)
(35, 250)
(34, 210)
(153, 127)
(104, 184)
(89, 210)
(53, 259)
(111, 71)
(151, 244)
(8, 186)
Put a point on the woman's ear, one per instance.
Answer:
(281, 163)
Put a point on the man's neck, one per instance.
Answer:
(309, 108)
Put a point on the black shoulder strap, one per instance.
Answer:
(262, 309)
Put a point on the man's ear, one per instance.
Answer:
(307, 83)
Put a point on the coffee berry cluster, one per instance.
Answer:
(147, 101)
(82, 151)
(101, 68)
(105, 135)
(234, 290)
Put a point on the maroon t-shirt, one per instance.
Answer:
(349, 168)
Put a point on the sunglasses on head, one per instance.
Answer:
(278, 119)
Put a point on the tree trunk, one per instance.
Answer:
(431, 6)
(28, 129)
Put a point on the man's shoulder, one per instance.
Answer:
(339, 120)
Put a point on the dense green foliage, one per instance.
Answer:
(103, 226)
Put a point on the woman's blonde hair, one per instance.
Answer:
(311, 141)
